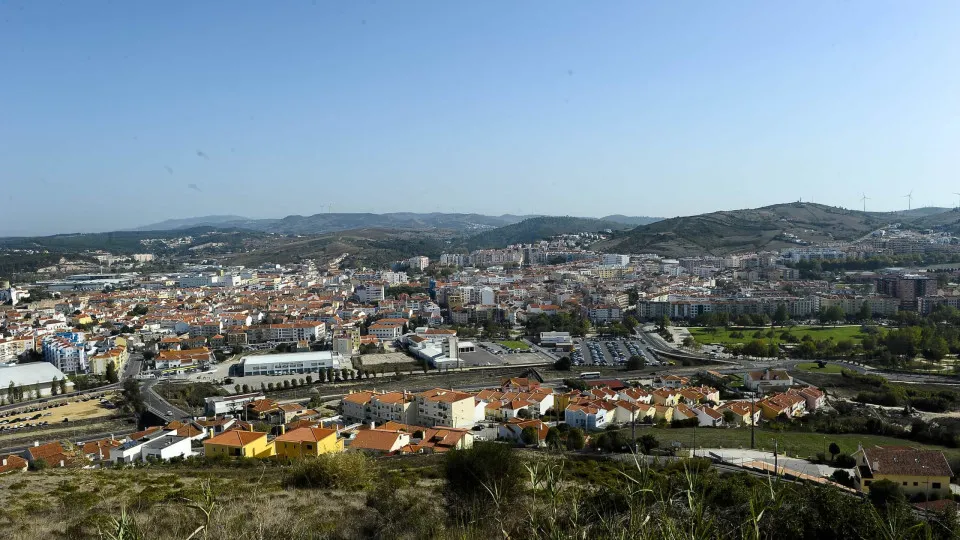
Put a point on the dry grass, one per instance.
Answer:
(558, 499)
(163, 503)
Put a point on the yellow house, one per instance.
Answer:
(116, 356)
(308, 441)
(914, 470)
(669, 398)
(81, 318)
(239, 443)
(663, 412)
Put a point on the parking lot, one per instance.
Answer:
(56, 412)
(611, 352)
(485, 356)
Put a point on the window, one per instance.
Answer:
(914, 484)
(904, 483)
(936, 485)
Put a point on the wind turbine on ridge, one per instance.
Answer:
(909, 197)
(864, 199)
(958, 199)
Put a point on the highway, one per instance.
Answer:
(159, 406)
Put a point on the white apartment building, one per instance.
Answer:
(394, 406)
(66, 351)
(487, 296)
(394, 278)
(614, 259)
(369, 293)
(418, 263)
(605, 314)
(454, 259)
(298, 331)
(386, 331)
(10, 294)
(11, 348)
(206, 328)
(449, 408)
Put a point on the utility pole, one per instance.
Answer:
(753, 423)
(776, 463)
(633, 430)
(695, 441)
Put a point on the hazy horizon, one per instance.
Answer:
(116, 116)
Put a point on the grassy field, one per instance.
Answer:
(722, 335)
(510, 344)
(815, 368)
(794, 443)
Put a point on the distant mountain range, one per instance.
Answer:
(377, 239)
(333, 222)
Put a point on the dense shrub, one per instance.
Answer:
(487, 467)
(349, 471)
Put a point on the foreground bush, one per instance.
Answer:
(489, 469)
(347, 471)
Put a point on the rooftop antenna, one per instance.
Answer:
(909, 197)
(864, 199)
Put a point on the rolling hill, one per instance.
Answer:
(719, 233)
(534, 229)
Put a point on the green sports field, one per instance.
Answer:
(722, 336)
(515, 345)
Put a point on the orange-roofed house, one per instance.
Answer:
(785, 404)
(438, 440)
(356, 406)
(674, 381)
(708, 416)
(669, 398)
(238, 443)
(589, 414)
(53, 454)
(308, 441)
(13, 463)
(627, 411)
(519, 385)
(100, 450)
(915, 470)
(813, 396)
(682, 412)
(263, 408)
(379, 441)
(744, 412)
(663, 412)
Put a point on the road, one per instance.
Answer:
(133, 366)
(159, 406)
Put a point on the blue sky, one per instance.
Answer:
(117, 114)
